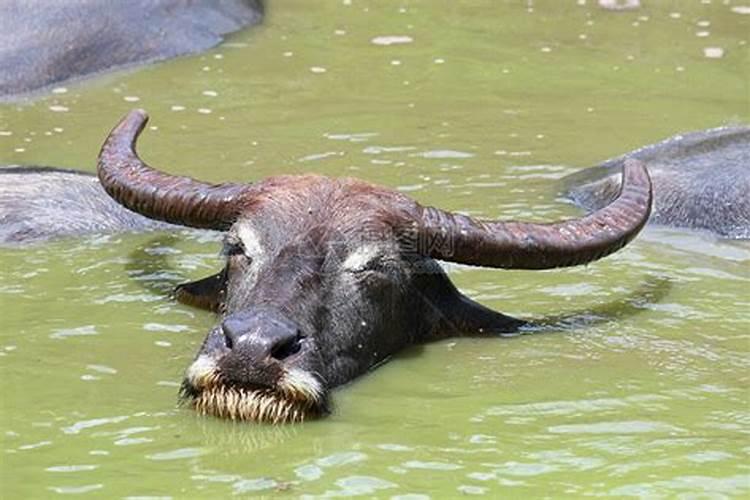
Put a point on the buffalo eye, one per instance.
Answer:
(233, 247)
(231, 250)
(379, 265)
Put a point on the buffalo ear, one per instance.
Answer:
(206, 293)
(462, 316)
(456, 315)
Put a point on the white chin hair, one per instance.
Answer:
(202, 369)
(301, 385)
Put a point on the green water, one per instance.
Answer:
(485, 107)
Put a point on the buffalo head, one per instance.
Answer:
(326, 278)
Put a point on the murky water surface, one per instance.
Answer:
(478, 107)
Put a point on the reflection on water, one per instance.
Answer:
(639, 385)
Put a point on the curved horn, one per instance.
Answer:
(520, 245)
(179, 200)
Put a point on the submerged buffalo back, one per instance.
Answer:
(701, 181)
(43, 43)
(39, 203)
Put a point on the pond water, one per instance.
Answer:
(476, 106)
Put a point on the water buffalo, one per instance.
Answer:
(701, 181)
(44, 43)
(326, 278)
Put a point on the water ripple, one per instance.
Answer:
(418, 464)
(444, 153)
(626, 427)
(71, 468)
(74, 332)
(75, 490)
(178, 454)
(96, 422)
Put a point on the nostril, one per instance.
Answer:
(227, 337)
(288, 347)
(234, 327)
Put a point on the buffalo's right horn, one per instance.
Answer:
(523, 245)
(179, 200)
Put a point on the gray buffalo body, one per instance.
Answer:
(701, 181)
(43, 43)
(39, 203)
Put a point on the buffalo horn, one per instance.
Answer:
(520, 245)
(157, 195)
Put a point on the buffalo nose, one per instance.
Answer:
(262, 335)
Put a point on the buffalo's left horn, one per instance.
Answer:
(179, 200)
(459, 238)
